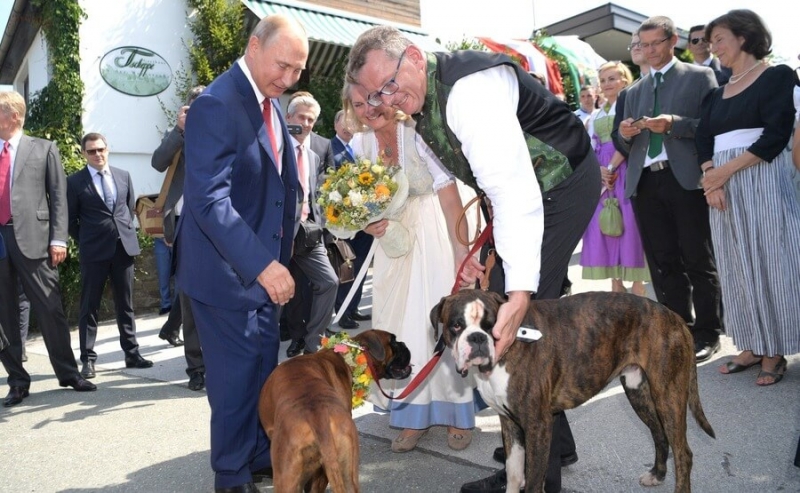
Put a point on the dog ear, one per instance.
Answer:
(374, 346)
(436, 317)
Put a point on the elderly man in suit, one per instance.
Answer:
(663, 180)
(101, 208)
(701, 51)
(235, 238)
(33, 222)
(312, 260)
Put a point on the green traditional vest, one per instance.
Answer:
(551, 166)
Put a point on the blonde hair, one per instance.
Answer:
(12, 102)
(621, 69)
(351, 118)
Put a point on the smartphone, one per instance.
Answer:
(295, 129)
(639, 122)
(526, 333)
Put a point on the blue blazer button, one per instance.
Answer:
(276, 237)
(278, 203)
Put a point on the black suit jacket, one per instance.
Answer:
(721, 73)
(94, 227)
(322, 147)
(340, 153)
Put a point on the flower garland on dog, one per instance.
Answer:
(354, 356)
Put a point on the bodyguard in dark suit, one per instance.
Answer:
(235, 235)
(312, 261)
(664, 182)
(101, 207)
(701, 51)
(33, 222)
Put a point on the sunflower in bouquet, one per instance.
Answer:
(359, 193)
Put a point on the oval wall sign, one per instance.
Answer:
(135, 71)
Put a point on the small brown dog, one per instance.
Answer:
(306, 409)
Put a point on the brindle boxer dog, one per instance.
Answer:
(305, 408)
(588, 340)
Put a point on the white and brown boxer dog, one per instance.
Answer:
(306, 409)
(588, 340)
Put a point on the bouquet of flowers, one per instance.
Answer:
(360, 193)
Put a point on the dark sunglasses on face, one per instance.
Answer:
(94, 152)
(698, 40)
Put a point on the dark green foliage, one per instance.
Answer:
(219, 37)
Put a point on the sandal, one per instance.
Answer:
(776, 374)
(457, 438)
(408, 442)
(734, 367)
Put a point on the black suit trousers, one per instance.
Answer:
(94, 274)
(40, 282)
(676, 236)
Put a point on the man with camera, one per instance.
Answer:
(309, 254)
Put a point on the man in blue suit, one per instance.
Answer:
(234, 238)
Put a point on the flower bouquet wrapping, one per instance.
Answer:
(361, 193)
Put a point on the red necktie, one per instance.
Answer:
(303, 175)
(267, 113)
(5, 184)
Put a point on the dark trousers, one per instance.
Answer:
(360, 244)
(181, 315)
(241, 350)
(323, 281)
(568, 208)
(39, 279)
(676, 236)
(94, 274)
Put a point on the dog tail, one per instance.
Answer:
(695, 405)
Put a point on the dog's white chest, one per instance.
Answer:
(494, 388)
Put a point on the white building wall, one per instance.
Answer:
(34, 67)
(132, 125)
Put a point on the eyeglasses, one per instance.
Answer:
(634, 46)
(376, 98)
(695, 41)
(94, 152)
(654, 44)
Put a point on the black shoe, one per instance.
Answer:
(295, 348)
(330, 333)
(360, 317)
(346, 322)
(164, 311)
(242, 488)
(15, 396)
(566, 460)
(136, 361)
(496, 483)
(262, 474)
(88, 370)
(704, 350)
(79, 384)
(197, 381)
(173, 339)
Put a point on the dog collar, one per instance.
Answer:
(353, 355)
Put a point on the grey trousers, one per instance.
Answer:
(316, 266)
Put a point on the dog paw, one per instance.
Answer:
(649, 479)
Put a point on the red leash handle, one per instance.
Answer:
(439, 349)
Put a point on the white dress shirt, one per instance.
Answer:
(97, 180)
(482, 112)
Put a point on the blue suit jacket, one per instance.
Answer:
(239, 215)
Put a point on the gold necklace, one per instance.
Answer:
(740, 76)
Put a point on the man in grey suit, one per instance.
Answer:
(33, 223)
(311, 260)
(163, 157)
(101, 207)
(661, 114)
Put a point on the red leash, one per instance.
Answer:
(439, 348)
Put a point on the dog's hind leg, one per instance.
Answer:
(671, 402)
(642, 402)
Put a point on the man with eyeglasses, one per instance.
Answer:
(701, 51)
(660, 118)
(33, 225)
(491, 123)
(101, 205)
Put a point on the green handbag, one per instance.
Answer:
(611, 218)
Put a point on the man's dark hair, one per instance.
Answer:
(92, 136)
(699, 27)
(748, 25)
(659, 22)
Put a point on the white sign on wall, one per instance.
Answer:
(135, 71)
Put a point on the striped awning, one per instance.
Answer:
(335, 27)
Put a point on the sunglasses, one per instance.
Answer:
(94, 152)
(694, 41)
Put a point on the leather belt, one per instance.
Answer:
(658, 166)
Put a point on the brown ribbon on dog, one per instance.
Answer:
(439, 349)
